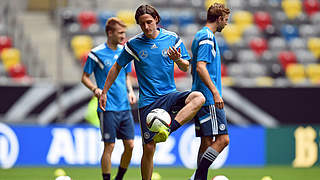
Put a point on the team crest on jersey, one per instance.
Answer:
(143, 54)
(164, 53)
(108, 63)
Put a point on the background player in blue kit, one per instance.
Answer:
(210, 121)
(117, 120)
(154, 52)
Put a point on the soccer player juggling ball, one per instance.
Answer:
(154, 52)
(210, 121)
(116, 121)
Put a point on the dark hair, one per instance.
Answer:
(110, 24)
(146, 9)
(215, 11)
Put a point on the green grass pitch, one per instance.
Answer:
(80, 173)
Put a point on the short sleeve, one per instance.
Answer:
(184, 52)
(128, 67)
(126, 56)
(206, 51)
(89, 66)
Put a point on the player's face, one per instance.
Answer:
(118, 36)
(148, 25)
(222, 22)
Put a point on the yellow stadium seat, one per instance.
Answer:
(10, 57)
(313, 73)
(208, 3)
(81, 44)
(243, 19)
(296, 73)
(227, 81)
(292, 8)
(232, 33)
(264, 81)
(314, 46)
(127, 17)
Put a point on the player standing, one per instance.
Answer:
(117, 120)
(154, 52)
(210, 121)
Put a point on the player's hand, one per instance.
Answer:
(174, 54)
(97, 92)
(218, 101)
(132, 98)
(103, 101)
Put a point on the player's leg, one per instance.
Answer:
(147, 160)
(106, 160)
(149, 146)
(126, 133)
(108, 133)
(125, 158)
(212, 148)
(193, 103)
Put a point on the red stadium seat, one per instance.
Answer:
(178, 73)
(5, 42)
(311, 6)
(83, 58)
(262, 19)
(17, 71)
(223, 70)
(258, 45)
(286, 58)
(86, 18)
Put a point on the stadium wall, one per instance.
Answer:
(62, 145)
(270, 107)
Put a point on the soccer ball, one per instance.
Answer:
(220, 177)
(157, 119)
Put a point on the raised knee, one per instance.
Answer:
(199, 98)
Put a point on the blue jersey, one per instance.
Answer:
(100, 60)
(205, 48)
(154, 68)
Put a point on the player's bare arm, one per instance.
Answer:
(205, 77)
(131, 96)
(112, 75)
(175, 55)
(85, 79)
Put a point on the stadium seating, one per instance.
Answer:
(5, 42)
(313, 73)
(296, 73)
(262, 39)
(10, 57)
(86, 18)
(81, 44)
(311, 6)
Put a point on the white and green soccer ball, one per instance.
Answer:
(158, 119)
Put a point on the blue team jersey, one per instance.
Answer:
(154, 68)
(205, 48)
(100, 60)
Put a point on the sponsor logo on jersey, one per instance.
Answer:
(143, 54)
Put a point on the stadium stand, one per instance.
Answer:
(263, 38)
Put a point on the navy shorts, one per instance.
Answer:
(210, 121)
(171, 102)
(116, 124)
